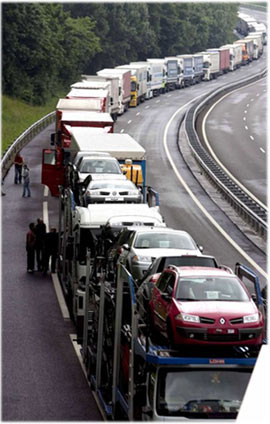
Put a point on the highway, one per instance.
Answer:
(41, 375)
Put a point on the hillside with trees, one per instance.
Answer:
(49, 45)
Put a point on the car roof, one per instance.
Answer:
(193, 271)
(112, 181)
(161, 230)
(98, 157)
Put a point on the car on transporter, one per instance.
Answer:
(205, 306)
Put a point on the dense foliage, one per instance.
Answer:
(47, 45)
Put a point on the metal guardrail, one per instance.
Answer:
(251, 211)
(23, 140)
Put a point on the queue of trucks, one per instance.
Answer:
(136, 375)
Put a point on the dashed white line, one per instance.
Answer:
(257, 95)
(244, 119)
(251, 137)
(245, 111)
(157, 101)
(129, 121)
(248, 105)
(45, 214)
(46, 191)
(252, 100)
(246, 128)
(60, 296)
(138, 113)
(122, 131)
(262, 150)
(146, 107)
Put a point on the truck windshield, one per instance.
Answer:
(201, 393)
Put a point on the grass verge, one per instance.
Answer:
(17, 116)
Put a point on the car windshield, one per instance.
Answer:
(118, 185)
(201, 393)
(210, 289)
(98, 166)
(164, 241)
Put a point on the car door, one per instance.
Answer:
(162, 295)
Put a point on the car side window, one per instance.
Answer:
(162, 282)
(170, 284)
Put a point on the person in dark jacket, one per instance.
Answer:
(18, 164)
(30, 248)
(50, 250)
(40, 232)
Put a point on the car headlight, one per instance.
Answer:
(251, 318)
(138, 258)
(188, 318)
(133, 193)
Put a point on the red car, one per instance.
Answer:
(205, 306)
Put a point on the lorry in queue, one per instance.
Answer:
(154, 78)
(138, 81)
(55, 160)
(78, 118)
(211, 68)
(235, 55)
(137, 376)
(107, 83)
(124, 78)
(174, 73)
(79, 229)
(198, 67)
(186, 63)
(224, 59)
(257, 44)
(247, 50)
(102, 97)
(162, 65)
(260, 27)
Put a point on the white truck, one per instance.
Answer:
(235, 55)
(161, 65)
(257, 44)
(107, 83)
(124, 80)
(138, 83)
(211, 67)
(101, 98)
(154, 78)
(186, 61)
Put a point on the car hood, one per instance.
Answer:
(156, 253)
(214, 308)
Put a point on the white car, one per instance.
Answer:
(143, 245)
(111, 191)
(90, 165)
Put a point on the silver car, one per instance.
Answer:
(144, 245)
(98, 165)
(112, 191)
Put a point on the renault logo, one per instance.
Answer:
(222, 321)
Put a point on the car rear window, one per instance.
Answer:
(164, 241)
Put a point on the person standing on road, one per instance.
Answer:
(26, 181)
(18, 163)
(50, 250)
(40, 232)
(30, 248)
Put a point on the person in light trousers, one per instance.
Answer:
(26, 181)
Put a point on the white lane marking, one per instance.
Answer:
(245, 111)
(157, 101)
(122, 131)
(60, 296)
(214, 155)
(46, 191)
(246, 128)
(244, 119)
(129, 121)
(248, 105)
(77, 348)
(146, 107)
(46, 215)
(251, 137)
(200, 206)
(257, 95)
(252, 100)
(138, 113)
(262, 150)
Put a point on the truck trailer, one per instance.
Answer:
(154, 78)
(124, 84)
(186, 61)
(138, 78)
(211, 66)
